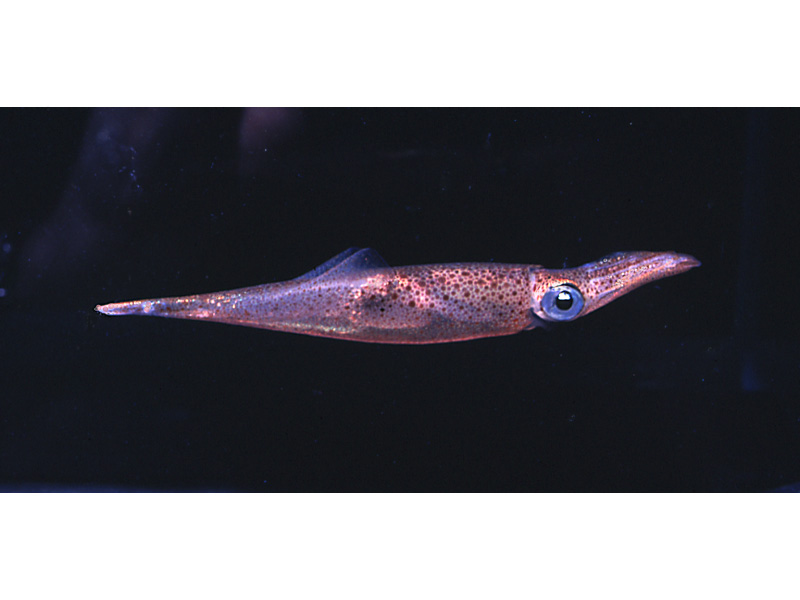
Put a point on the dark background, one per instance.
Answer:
(689, 384)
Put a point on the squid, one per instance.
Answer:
(357, 296)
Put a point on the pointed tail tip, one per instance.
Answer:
(132, 307)
(119, 308)
(104, 309)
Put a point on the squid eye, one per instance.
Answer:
(562, 302)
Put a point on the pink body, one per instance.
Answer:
(356, 296)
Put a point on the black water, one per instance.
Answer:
(690, 384)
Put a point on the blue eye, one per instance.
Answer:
(562, 302)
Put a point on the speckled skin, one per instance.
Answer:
(352, 299)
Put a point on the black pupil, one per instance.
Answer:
(564, 300)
